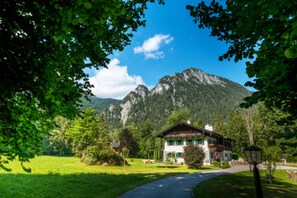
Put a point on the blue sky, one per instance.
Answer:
(169, 43)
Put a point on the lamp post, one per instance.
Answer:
(254, 157)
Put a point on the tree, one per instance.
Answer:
(266, 33)
(274, 131)
(235, 128)
(45, 47)
(249, 124)
(194, 156)
(89, 136)
(128, 141)
(181, 115)
(57, 138)
(145, 140)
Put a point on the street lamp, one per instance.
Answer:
(254, 157)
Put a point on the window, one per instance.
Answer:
(189, 142)
(171, 142)
(179, 154)
(179, 142)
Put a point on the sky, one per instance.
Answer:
(169, 43)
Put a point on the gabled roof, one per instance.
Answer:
(194, 128)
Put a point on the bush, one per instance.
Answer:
(104, 157)
(235, 156)
(194, 156)
(225, 165)
(221, 164)
(292, 159)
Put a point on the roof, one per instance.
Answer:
(201, 130)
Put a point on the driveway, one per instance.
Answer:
(179, 186)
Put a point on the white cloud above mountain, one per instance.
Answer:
(151, 47)
(114, 82)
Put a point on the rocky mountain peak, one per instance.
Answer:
(203, 77)
(142, 91)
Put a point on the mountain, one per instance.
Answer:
(99, 104)
(207, 96)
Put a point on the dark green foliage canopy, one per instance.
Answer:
(266, 33)
(45, 45)
(89, 136)
(127, 141)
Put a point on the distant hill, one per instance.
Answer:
(99, 104)
(207, 96)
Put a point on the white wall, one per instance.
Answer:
(180, 149)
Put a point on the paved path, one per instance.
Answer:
(179, 186)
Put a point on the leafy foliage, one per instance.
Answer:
(127, 142)
(145, 140)
(234, 127)
(194, 156)
(46, 45)
(265, 32)
(181, 115)
(89, 137)
(56, 142)
(277, 135)
(221, 164)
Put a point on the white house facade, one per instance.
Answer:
(175, 138)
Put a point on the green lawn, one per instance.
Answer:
(242, 185)
(67, 177)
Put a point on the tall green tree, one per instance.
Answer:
(89, 136)
(145, 140)
(180, 115)
(45, 47)
(274, 131)
(235, 128)
(128, 141)
(275, 136)
(58, 144)
(266, 33)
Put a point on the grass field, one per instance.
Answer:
(67, 177)
(242, 185)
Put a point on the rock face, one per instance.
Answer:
(207, 96)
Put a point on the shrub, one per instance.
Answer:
(221, 164)
(194, 156)
(292, 159)
(104, 157)
(225, 165)
(235, 156)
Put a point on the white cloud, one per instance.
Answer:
(114, 82)
(150, 47)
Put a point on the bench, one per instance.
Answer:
(148, 161)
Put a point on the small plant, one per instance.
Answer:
(221, 164)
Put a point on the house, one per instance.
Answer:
(175, 138)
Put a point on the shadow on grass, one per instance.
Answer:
(242, 185)
(177, 166)
(169, 166)
(72, 185)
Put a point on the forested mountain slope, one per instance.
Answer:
(207, 96)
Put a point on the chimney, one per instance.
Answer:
(208, 127)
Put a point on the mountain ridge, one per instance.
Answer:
(206, 95)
